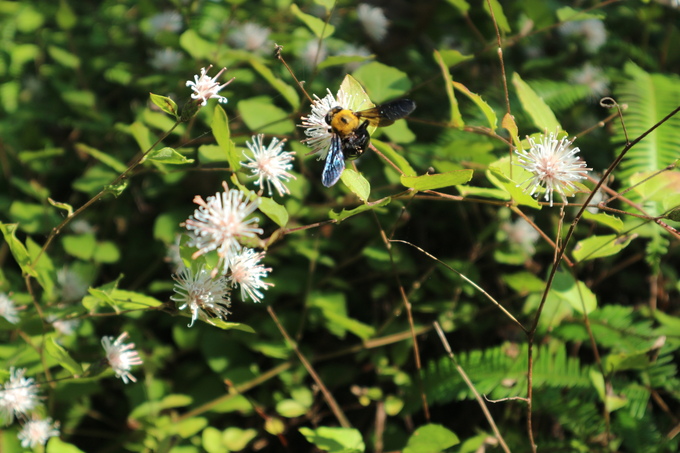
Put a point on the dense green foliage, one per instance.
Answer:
(432, 224)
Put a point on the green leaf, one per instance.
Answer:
(577, 294)
(291, 408)
(431, 438)
(483, 192)
(94, 179)
(524, 282)
(196, 46)
(498, 175)
(288, 92)
(356, 183)
(168, 156)
(150, 408)
(64, 57)
(236, 439)
(345, 214)
(44, 268)
(81, 246)
(260, 115)
(455, 118)
(599, 246)
(649, 97)
(539, 112)
(611, 402)
(116, 189)
(320, 28)
(59, 205)
(65, 17)
(567, 14)
(382, 82)
(437, 181)
(361, 330)
(451, 57)
(142, 136)
(395, 157)
(62, 357)
(498, 14)
(220, 129)
(165, 103)
(460, 5)
(32, 217)
(56, 445)
(509, 124)
(335, 440)
(106, 252)
(274, 211)
(603, 219)
(358, 98)
(479, 102)
(18, 249)
(130, 300)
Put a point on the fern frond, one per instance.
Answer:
(649, 97)
(501, 372)
(560, 95)
(614, 326)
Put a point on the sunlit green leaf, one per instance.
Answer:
(335, 440)
(168, 156)
(288, 92)
(102, 157)
(438, 180)
(345, 214)
(455, 118)
(394, 157)
(356, 183)
(220, 129)
(498, 15)
(431, 438)
(320, 28)
(483, 106)
(600, 246)
(539, 112)
(62, 356)
(274, 211)
(262, 116)
(165, 103)
(382, 82)
(576, 293)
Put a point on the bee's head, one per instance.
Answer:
(331, 113)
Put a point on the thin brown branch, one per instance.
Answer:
(335, 408)
(472, 388)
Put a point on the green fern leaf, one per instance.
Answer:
(501, 372)
(649, 97)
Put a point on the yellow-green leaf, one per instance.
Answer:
(438, 180)
(539, 112)
(320, 28)
(455, 118)
(479, 102)
(356, 183)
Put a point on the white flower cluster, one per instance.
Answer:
(222, 223)
(19, 398)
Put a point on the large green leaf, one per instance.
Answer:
(382, 82)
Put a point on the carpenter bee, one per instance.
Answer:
(350, 136)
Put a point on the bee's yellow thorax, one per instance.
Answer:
(345, 122)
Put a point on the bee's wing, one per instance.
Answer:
(335, 163)
(386, 114)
